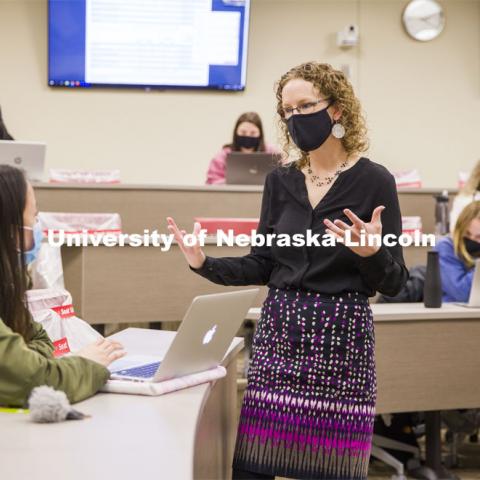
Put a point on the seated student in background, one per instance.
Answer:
(457, 254)
(247, 138)
(469, 193)
(26, 353)
(4, 135)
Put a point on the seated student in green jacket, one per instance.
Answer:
(26, 353)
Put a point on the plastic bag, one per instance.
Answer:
(463, 178)
(54, 310)
(84, 176)
(47, 270)
(408, 178)
(73, 223)
(411, 224)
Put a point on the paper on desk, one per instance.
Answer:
(13, 410)
(160, 388)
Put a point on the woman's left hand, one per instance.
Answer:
(337, 228)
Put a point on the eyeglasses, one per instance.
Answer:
(303, 109)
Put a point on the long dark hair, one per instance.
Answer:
(251, 117)
(4, 135)
(13, 271)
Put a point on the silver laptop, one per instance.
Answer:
(474, 298)
(250, 168)
(200, 344)
(29, 156)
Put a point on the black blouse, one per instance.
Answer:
(324, 269)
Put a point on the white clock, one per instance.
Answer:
(423, 19)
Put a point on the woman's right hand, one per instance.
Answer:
(194, 255)
(103, 351)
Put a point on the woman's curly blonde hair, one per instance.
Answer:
(334, 85)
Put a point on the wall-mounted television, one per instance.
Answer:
(200, 44)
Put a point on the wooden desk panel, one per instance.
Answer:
(142, 209)
(145, 207)
(136, 285)
(427, 365)
(420, 203)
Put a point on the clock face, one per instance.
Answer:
(423, 19)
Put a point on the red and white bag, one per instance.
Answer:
(63, 175)
(77, 223)
(408, 179)
(54, 310)
(462, 178)
(411, 224)
(238, 225)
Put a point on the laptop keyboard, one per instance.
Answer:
(144, 371)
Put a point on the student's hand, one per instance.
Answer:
(103, 351)
(194, 255)
(338, 228)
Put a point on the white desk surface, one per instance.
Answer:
(384, 312)
(128, 437)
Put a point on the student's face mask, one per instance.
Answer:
(310, 131)
(472, 247)
(247, 142)
(32, 254)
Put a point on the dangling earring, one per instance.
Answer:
(338, 130)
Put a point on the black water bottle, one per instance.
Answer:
(432, 289)
(441, 214)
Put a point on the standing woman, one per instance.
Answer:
(247, 138)
(309, 405)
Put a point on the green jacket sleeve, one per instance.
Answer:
(40, 341)
(25, 366)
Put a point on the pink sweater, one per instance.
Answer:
(216, 169)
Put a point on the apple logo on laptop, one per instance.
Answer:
(209, 335)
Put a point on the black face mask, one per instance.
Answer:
(247, 142)
(472, 247)
(309, 131)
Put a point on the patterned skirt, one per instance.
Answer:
(309, 404)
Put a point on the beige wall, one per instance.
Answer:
(422, 100)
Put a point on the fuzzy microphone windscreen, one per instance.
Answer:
(48, 405)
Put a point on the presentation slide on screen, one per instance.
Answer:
(193, 43)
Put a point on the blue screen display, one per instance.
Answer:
(148, 44)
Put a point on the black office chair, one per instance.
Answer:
(413, 289)
(461, 424)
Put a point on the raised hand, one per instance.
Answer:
(338, 229)
(194, 255)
